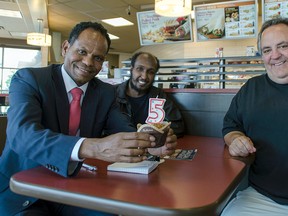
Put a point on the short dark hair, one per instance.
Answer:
(76, 31)
(135, 56)
(266, 25)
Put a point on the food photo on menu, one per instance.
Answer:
(214, 26)
(226, 20)
(232, 24)
(156, 29)
(275, 9)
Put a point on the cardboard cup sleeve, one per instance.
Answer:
(159, 131)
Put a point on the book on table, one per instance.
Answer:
(143, 167)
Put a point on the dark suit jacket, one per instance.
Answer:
(37, 131)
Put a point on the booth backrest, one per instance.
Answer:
(203, 113)
(2, 100)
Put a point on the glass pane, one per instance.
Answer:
(1, 51)
(1, 73)
(7, 75)
(19, 58)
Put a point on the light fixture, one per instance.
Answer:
(173, 8)
(113, 37)
(117, 22)
(10, 13)
(38, 38)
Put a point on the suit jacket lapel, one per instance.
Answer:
(62, 103)
(88, 109)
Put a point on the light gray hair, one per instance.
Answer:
(266, 25)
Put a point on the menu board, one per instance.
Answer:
(156, 29)
(274, 9)
(226, 20)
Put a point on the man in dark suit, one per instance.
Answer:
(38, 122)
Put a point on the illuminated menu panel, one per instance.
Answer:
(227, 20)
(156, 29)
(272, 9)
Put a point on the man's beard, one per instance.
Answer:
(134, 87)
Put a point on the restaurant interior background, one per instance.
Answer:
(59, 16)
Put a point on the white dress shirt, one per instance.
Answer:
(70, 84)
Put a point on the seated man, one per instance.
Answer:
(256, 124)
(133, 95)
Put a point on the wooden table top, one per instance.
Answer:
(201, 186)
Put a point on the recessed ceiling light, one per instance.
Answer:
(18, 34)
(117, 22)
(10, 13)
(113, 37)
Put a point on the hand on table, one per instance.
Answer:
(120, 147)
(241, 146)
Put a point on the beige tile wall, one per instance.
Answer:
(200, 49)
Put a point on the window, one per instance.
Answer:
(12, 59)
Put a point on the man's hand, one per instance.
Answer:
(168, 148)
(239, 144)
(120, 147)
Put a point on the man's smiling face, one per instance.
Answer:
(274, 46)
(143, 73)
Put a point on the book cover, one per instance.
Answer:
(143, 167)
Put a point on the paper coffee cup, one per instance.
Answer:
(158, 130)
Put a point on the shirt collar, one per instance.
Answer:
(69, 82)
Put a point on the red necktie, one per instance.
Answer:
(75, 111)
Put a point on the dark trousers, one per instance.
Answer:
(46, 208)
